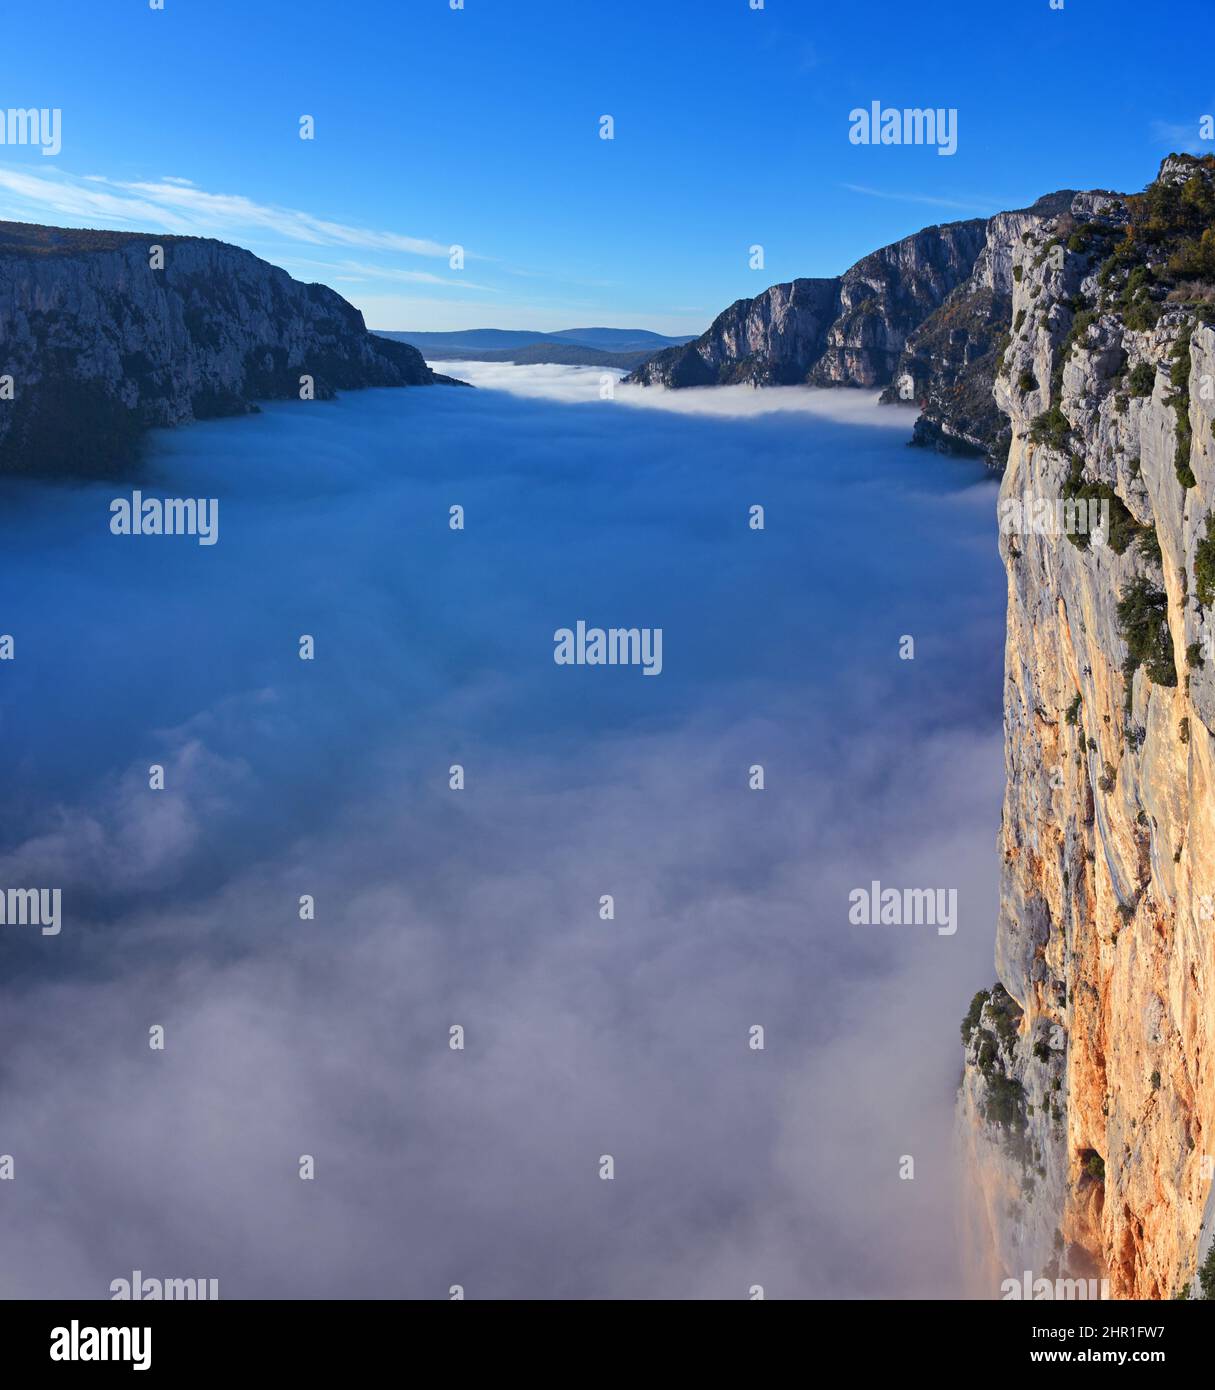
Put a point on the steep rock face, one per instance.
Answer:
(849, 330)
(1091, 1122)
(100, 347)
(949, 363)
(1011, 1112)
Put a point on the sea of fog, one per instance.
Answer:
(734, 1166)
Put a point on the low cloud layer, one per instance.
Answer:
(589, 385)
(479, 908)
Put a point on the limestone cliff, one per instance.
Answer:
(97, 345)
(1088, 1096)
(948, 365)
(849, 330)
(926, 317)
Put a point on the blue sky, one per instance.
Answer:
(480, 128)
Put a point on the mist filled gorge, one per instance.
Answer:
(480, 907)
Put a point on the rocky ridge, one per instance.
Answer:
(926, 317)
(848, 330)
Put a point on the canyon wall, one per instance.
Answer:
(926, 318)
(948, 364)
(1088, 1097)
(848, 330)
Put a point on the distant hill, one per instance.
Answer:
(563, 354)
(619, 339)
(639, 340)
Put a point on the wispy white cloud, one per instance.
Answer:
(24, 196)
(986, 206)
(234, 210)
(409, 277)
(1181, 136)
(176, 205)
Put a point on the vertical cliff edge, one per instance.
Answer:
(1088, 1094)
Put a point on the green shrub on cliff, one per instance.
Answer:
(1005, 1102)
(1006, 1014)
(1172, 225)
(973, 1014)
(1168, 209)
(1144, 626)
(1204, 565)
(1051, 428)
(1179, 379)
(1081, 323)
(1195, 259)
(1123, 528)
(1142, 379)
(1123, 257)
(1147, 542)
(1206, 1275)
(1179, 359)
(1139, 310)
